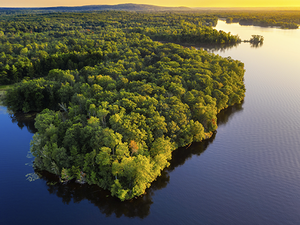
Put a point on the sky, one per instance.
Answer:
(188, 3)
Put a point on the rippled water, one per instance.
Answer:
(248, 173)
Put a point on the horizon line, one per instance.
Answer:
(207, 7)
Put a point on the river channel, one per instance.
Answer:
(247, 173)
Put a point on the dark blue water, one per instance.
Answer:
(248, 173)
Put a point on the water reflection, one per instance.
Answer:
(224, 48)
(225, 115)
(206, 47)
(180, 155)
(24, 120)
(215, 47)
(256, 45)
(140, 206)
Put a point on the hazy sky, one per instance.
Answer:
(188, 3)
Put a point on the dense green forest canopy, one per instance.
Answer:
(32, 45)
(115, 103)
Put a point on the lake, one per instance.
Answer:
(247, 173)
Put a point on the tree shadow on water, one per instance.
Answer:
(256, 45)
(108, 205)
(226, 114)
(137, 207)
(24, 120)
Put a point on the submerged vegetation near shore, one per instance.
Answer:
(115, 103)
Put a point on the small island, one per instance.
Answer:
(256, 39)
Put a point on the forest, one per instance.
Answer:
(32, 45)
(285, 19)
(113, 102)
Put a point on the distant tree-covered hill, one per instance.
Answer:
(122, 7)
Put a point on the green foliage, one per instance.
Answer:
(32, 45)
(116, 103)
(257, 39)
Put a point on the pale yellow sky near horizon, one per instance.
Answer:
(187, 3)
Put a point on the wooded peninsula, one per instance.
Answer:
(114, 102)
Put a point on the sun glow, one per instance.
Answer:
(187, 3)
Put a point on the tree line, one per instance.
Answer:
(285, 19)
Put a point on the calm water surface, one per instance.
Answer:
(248, 173)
